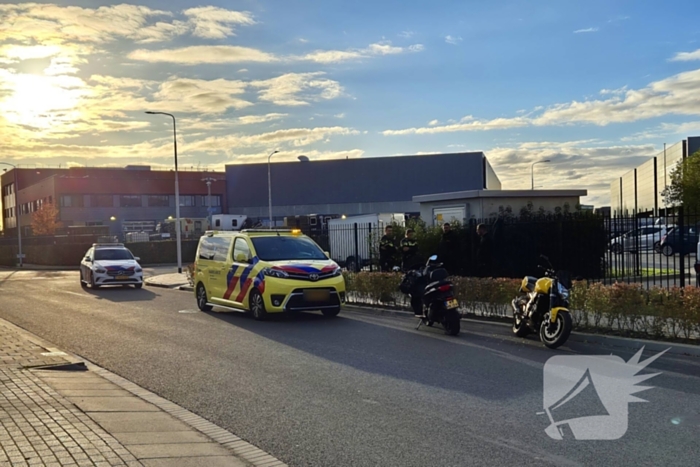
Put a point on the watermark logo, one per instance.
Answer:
(586, 396)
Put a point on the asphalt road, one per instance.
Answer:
(359, 390)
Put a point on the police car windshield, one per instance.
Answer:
(286, 249)
(112, 254)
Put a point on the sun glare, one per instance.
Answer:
(40, 101)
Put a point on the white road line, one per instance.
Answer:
(75, 293)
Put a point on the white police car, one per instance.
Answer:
(110, 264)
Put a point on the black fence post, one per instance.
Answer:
(681, 237)
(370, 239)
(358, 266)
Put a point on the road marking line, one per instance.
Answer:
(75, 293)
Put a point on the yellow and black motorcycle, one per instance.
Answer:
(543, 306)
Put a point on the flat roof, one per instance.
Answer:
(476, 194)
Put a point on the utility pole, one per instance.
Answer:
(208, 181)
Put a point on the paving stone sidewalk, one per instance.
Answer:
(77, 414)
(169, 281)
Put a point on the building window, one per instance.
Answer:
(130, 201)
(158, 200)
(71, 201)
(93, 223)
(187, 200)
(215, 200)
(102, 201)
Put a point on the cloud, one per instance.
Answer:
(587, 30)
(675, 95)
(251, 119)
(686, 56)
(454, 40)
(50, 23)
(199, 54)
(575, 164)
(292, 137)
(372, 50)
(406, 34)
(297, 89)
(211, 22)
(54, 23)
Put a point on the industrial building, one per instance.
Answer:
(482, 204)
(638, 192)
(130, 199)
(353, 186)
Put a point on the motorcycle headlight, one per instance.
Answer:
(564, 293)
(275, 273)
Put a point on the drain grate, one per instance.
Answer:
(78, 366)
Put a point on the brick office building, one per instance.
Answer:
(131, 199)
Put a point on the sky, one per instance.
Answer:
(596, 87)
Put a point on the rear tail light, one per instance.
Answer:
(445, 288)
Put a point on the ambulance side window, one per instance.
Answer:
(241, 250)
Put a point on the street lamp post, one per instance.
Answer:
(177, 194)
(532, 172)
(208, 181)
(269, 186)
(19, 227)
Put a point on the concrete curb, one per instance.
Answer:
(241, 449)
(576, 336)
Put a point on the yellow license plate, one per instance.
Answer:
(317, 295)
(450, 304)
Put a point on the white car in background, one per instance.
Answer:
(110, 264)
(641, 239)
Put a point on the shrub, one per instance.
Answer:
(189, 272)
(621, 308)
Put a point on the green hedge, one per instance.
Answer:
(622, 309)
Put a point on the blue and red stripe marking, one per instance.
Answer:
(232, 279)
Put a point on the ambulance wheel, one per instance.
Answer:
(257, 306)
(202, 298)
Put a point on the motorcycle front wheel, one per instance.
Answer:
(555, 334)
(451, 322)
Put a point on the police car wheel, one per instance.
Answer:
(138, 286)
(257, 306)
(82, 281)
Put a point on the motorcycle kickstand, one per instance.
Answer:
(420, 322)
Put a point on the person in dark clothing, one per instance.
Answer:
(448, 249)
(484, 252)
(409, 248)
(387, 250)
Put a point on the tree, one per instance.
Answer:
(684, 189)
(45, 220)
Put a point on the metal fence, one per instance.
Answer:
(654, 251)
(650, 251)
(516, 244)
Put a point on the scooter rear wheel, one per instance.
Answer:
(452, 322)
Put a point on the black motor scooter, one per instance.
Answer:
(432, 296)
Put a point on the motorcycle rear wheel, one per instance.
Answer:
(452, 322)
(558, 334)
(520, 328)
